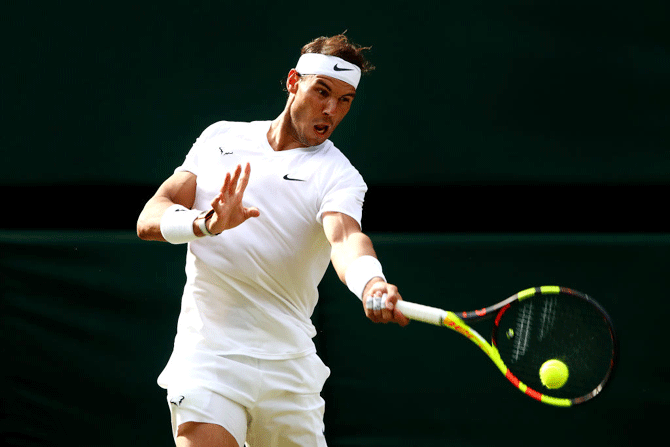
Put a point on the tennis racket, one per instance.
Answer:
(534, 326)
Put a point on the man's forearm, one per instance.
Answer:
(348, 250)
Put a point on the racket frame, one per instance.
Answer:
(452, 320)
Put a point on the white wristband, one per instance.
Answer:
(177, 224)
(360, 272)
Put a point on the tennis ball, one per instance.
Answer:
(553, 374)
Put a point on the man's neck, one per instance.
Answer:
(281, 135)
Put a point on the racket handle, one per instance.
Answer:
(419, 312)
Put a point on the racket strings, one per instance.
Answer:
(560, 327)
(547, 317)
(523, 330)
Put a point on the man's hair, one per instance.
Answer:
(341, 47)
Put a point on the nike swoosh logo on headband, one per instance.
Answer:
(336, 68)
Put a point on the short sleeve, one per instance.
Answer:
(345, 194)
(191, 161)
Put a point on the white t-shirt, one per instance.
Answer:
(252, 289)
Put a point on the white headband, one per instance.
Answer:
(333, 66)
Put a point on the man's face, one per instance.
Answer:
(319, 105)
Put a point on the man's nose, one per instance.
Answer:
(330, 107)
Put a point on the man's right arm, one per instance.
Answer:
(177, 189)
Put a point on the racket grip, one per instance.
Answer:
(419, 312)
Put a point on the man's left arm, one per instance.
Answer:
(356, 264)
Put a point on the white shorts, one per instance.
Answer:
(265, 402)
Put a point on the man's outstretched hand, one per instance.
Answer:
(228, 209)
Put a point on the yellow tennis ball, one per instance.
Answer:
(553, 374)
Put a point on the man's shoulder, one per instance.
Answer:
(235, 126)
(334, 154)
(335, 167)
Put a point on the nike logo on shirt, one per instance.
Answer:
(286, 177)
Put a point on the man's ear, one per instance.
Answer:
(292, 81)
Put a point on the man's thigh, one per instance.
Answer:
(206, 415)
(202, 434)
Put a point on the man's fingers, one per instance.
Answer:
(251, 212)
(226, 184)
(399, 318)
(386, 308)
(244, 180)
(236, 177)
(380, 305)
(237, 183)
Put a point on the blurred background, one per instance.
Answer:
(506, 144)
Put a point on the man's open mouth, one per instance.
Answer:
(321, 129)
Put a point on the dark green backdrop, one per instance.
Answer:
(504, 91)
(506, 144)
(88, 320)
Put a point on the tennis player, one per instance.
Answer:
(264, 207)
